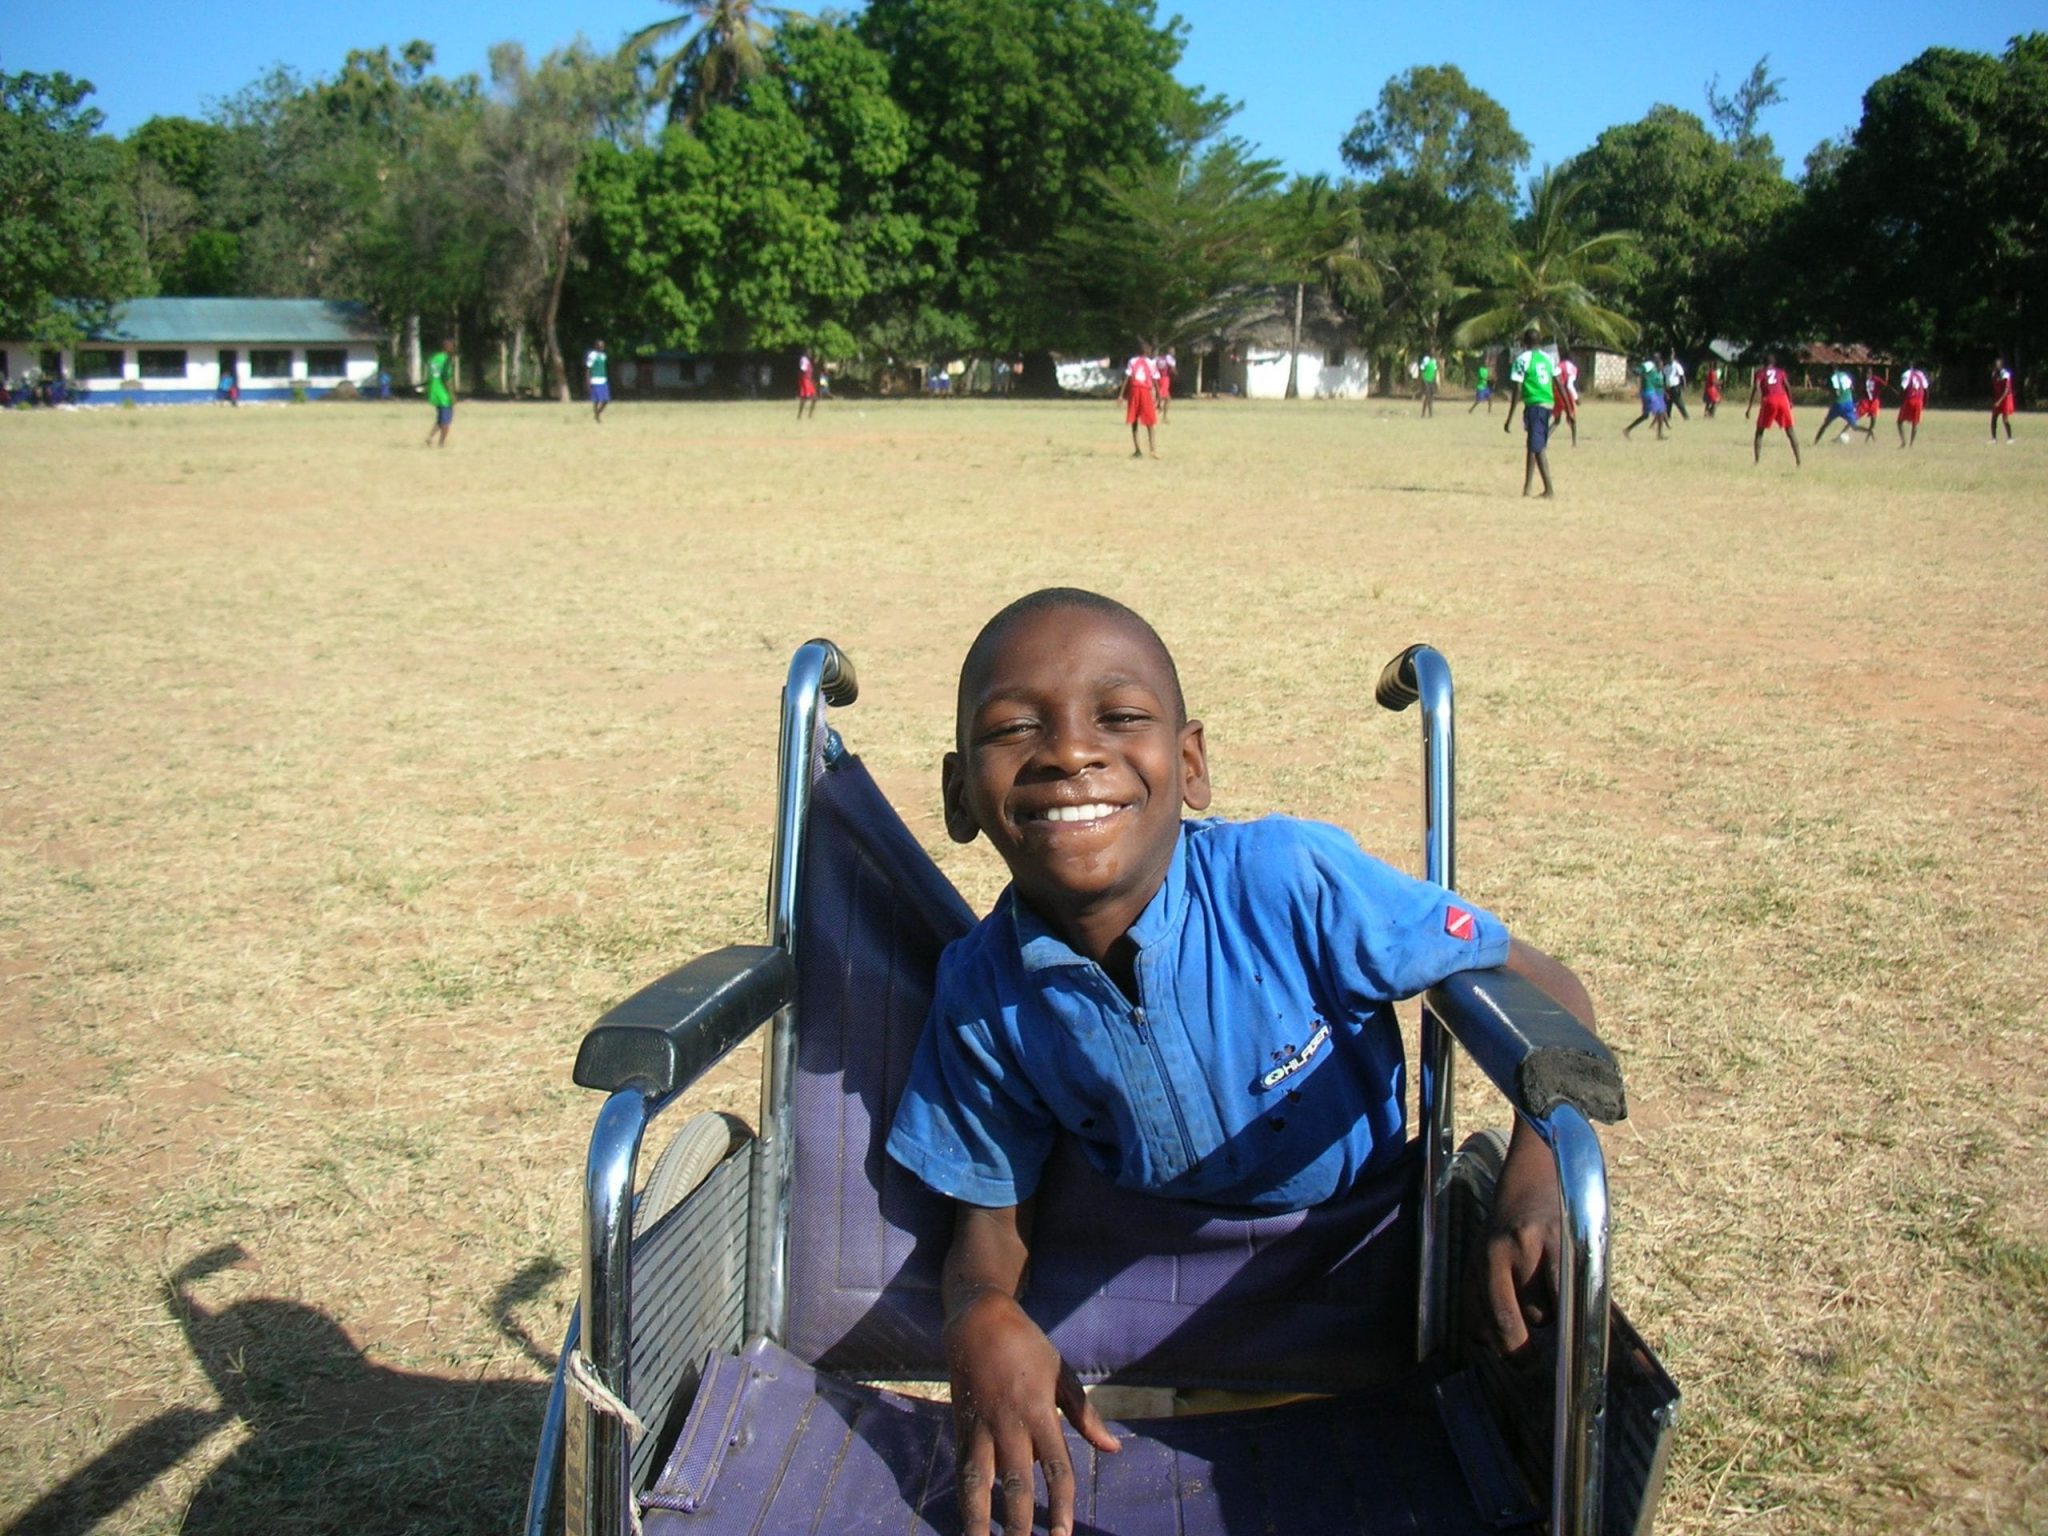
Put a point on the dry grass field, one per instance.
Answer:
(342, 782)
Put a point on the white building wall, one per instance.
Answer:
(1261, 374)
(202, 368)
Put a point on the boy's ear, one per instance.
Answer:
(1194, 767)
(960, 823)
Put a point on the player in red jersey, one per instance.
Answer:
(806, 385)
(1870, 404)
(1141, 402)
(1162, 369)
(2002, 402)
(1913, 388)
(1777, 398)
(1710, 389)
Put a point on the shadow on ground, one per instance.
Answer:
(334, 1443)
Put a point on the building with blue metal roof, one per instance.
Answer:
(179, 350)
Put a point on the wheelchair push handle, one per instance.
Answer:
(1397, 687)
(836, 678)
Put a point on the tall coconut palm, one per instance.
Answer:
(724, 45)
(1323, 228)
(1555, 273)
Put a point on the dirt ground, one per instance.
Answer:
(342, 782)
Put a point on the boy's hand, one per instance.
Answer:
(1008, 1380)
(1523, 1244)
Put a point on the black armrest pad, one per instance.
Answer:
(1535, 1051)
(668, 1032)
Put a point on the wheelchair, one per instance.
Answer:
(747, 1322)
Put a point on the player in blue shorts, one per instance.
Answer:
(599, 372)
(1156, 988)
(1842, 408)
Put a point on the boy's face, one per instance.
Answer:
(1075, 764)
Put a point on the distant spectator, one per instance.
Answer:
(2002, 402)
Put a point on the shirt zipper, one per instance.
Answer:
(1151, 1039)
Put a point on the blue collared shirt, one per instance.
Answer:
(1261, 1066)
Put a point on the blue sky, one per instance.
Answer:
(1303, 69)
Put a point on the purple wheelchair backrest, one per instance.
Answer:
(1127, 1285)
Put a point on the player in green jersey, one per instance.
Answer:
(1534, 378)
(441, 391)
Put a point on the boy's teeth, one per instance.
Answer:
(1093, 812)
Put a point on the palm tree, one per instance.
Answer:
(1325, 234)
(725, 44)
(1553, 277)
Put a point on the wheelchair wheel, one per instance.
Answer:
(700, 1146)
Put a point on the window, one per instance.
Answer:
(161, 365)
(326, 363)
(1336, 357)
(270, 363)
(98, 363)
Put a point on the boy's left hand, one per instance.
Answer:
(1522, 1244)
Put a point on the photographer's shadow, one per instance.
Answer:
(333, 1441)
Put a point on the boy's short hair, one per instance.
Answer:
(1054, 600)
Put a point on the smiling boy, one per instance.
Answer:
(1205, 1005)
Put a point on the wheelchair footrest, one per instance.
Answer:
(773, 1445)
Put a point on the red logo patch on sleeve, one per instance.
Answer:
(1459, 923)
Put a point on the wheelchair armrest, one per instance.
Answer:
(671, 1030)
(1534, 1049)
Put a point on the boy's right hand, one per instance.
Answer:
(1008, 1380)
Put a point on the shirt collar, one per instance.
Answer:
(1039, 948)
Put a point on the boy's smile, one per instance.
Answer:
(1075, 762)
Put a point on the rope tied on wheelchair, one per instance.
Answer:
(582, 1376)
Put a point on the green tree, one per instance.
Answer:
(773, 224)
(1702, 217)
(1018, 110)
(1558, 272)
(539, 126)
(1323, 244)
(1940, 203)
(67, 244)
(723, 45)
(1441, 157)
(1165, 245)
(1737, 113)
(1434, 126)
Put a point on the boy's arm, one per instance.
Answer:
(1524, 1241)
(1514, 394)
(1007, 1379)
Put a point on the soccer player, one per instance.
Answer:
(1163, 370)
(1534, 377)
(1777, 412)
(2002, 403)
(1650, 388)
(1843, 383)
(1428, 385)
(1710, 393)
(1913, 386)
(600, 380)
(1674, 388)
(1870, 405)
(1568, 390)
(1483, 391)
(441, 391)
(1141, 402)
(806, 384)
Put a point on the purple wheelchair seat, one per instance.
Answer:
(1127, 1286)
(777, 1447)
